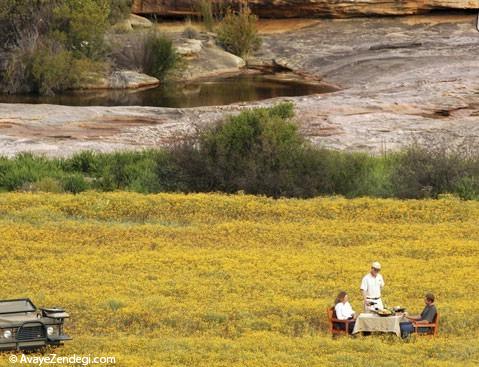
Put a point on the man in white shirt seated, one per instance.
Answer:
(344, 311)
(371, 287)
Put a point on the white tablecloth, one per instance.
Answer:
(372, 322)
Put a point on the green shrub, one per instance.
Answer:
(351, 173)
(422, 172)
(26, 168)
(74, 183)
(255, 151)
(160, 57)
(86, 162)
(83, 23)
(377, 181)
(260, 151)
(169, 174)
(151, 53)
(114, 172)
(52, 70)
(46, 69)
(17, 77)
(283, 110)
(142, 176)
(51, 44)
(48, 184)
(135, 171)
(87, 71)
(22, 20)
(237, 32)
(189, 171)
(467, 188)
(80, 23)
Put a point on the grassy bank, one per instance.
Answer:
(215, 280)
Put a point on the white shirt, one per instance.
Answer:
(372, 285)
(343, 311)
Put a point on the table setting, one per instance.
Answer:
(385, 320)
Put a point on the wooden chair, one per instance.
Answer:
(333, 329)
(433, 327)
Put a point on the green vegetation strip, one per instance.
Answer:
(260, 152)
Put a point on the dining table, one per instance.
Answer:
(372, 322)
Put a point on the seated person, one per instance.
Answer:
(426, 317)
(344, 311)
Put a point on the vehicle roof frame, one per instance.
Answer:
(27, 300)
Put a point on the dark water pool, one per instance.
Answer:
(242, 88)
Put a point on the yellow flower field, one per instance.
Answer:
(214, 280)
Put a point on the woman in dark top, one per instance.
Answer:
(427, 316)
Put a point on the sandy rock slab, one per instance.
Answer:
(132, 22)
(121, 79)
(402, 79)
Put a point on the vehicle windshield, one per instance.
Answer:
(18, 305)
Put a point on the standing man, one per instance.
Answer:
(371, 286)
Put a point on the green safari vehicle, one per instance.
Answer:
(23, 326)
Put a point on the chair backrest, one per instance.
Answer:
(332, 319)
(436, 323)
(433, 326)
(330, 312)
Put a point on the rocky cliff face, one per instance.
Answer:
(311, 8)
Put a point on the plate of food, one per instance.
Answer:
(385, 312)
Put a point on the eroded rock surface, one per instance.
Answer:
(121, 79)
(403, 79)
(139, 22)
(310, 8)
(210, 61)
